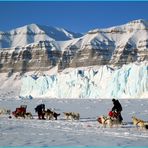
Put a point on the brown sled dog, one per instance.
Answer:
(139, 123)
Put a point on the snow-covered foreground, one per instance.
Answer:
(86, 132)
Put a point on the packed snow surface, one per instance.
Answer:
(129, 81)
(85, 132)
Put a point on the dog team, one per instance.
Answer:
(43, 114)
(49, 114)
(114, 117)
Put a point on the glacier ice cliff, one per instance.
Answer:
(129, 81)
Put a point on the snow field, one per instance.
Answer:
(85, 132)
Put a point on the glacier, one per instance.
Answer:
(128, 81)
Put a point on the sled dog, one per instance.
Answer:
(50, 115)
(71, 116)
(28, 115)
(139, 123)
(4, 111)
(108, 121)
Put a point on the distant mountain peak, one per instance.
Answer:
(139, 24)
(49, 30)
(31, 33)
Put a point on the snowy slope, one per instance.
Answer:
(34, 33)
(131, 32)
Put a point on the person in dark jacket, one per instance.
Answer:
(40, 109)
(117, 108)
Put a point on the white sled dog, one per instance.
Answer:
(71, 116)
(108, 121)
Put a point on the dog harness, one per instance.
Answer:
(105, 119)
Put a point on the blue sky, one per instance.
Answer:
(74, 16)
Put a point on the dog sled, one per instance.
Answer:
(21, 112)
(112, 119)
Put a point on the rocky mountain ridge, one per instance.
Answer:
(116, 46)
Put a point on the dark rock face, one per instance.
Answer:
(39, 57)
(29, 58)
(128, 54)
(92, 56)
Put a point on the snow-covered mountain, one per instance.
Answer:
(34, 33)
(120, 54)
(112, 46)
(116, 45)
